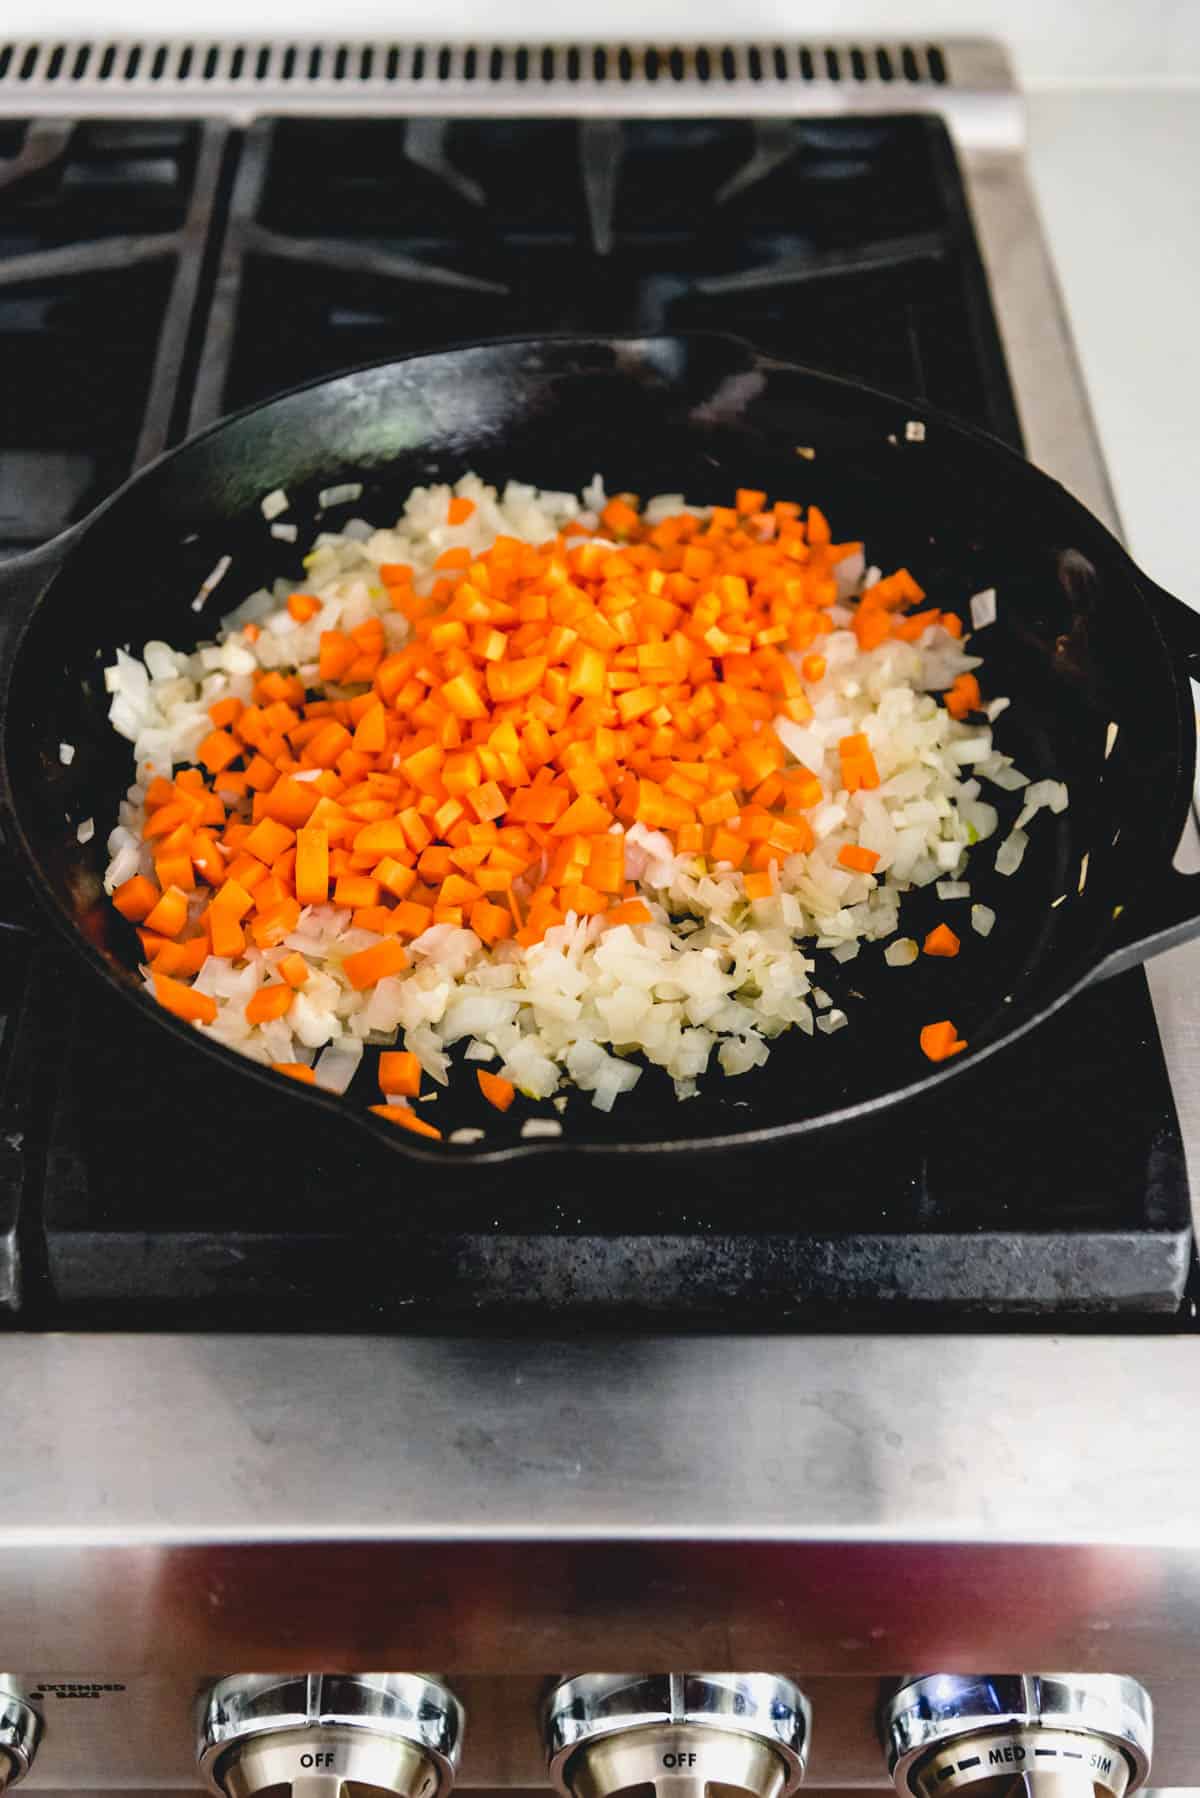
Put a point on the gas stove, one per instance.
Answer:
(631, 1427)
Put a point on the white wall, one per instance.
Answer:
(1053, 40)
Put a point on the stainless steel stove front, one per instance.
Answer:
(837, 1508)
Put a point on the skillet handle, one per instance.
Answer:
(1179, 623)
(1169, 912)
(24, 578)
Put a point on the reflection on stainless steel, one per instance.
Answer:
(399, 1732)
(20, 1728)
(1052, 1735)
(680, 1732)
(682, 1735)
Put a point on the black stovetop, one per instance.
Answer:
(154, 275)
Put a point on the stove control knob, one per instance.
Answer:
(20, 1729)
(1043, 1735)
(318, 1732)
(682, 1733)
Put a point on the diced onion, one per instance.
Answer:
(983, 608)
(340, 495)
(1011, 852)
(902, 953)
(541, 1127)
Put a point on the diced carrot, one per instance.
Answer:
(290, 802)
(400, 1073)
(232, 899)
(862, 861)
(586, 817)
(459, 510)
(411, 919)
(491, 923)
(270, 927)
(294, 968)
(303, 606)
(224, 712)
(408, 1120)
(631, 911)
(226, 935)
(169, 915)
(268, 840)
(941, 1040)
(184, 1001)
(136, 898)
(371, 965)
(295, 1070)
(496, 1089)
(217, 751)
(941, 941)
(758, 886)
(355, 890)
(312, 865)
(268, 1003)
(964, 696)
(620, 518)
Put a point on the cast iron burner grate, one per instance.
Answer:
(153, 275)
(844, 243)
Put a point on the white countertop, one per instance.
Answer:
(1115, 175)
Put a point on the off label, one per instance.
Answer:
(322, 1758)
(682, 1757)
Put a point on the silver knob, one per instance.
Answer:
(314, 1732)
(678, 1732)
(1046, 1735)
(20, 1731)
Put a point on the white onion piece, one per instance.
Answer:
(902, 953)
(1011, 852)
(983, 608)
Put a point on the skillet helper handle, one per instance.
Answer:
(23, 579)
(1167, 913)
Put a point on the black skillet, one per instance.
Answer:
(1083, 641)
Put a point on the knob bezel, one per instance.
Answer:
(926, 1713)
(411, 1707)
(768, 1707)
(20, 1733)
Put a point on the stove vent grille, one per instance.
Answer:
(250, 78)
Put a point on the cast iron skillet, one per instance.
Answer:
(1083, 641)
